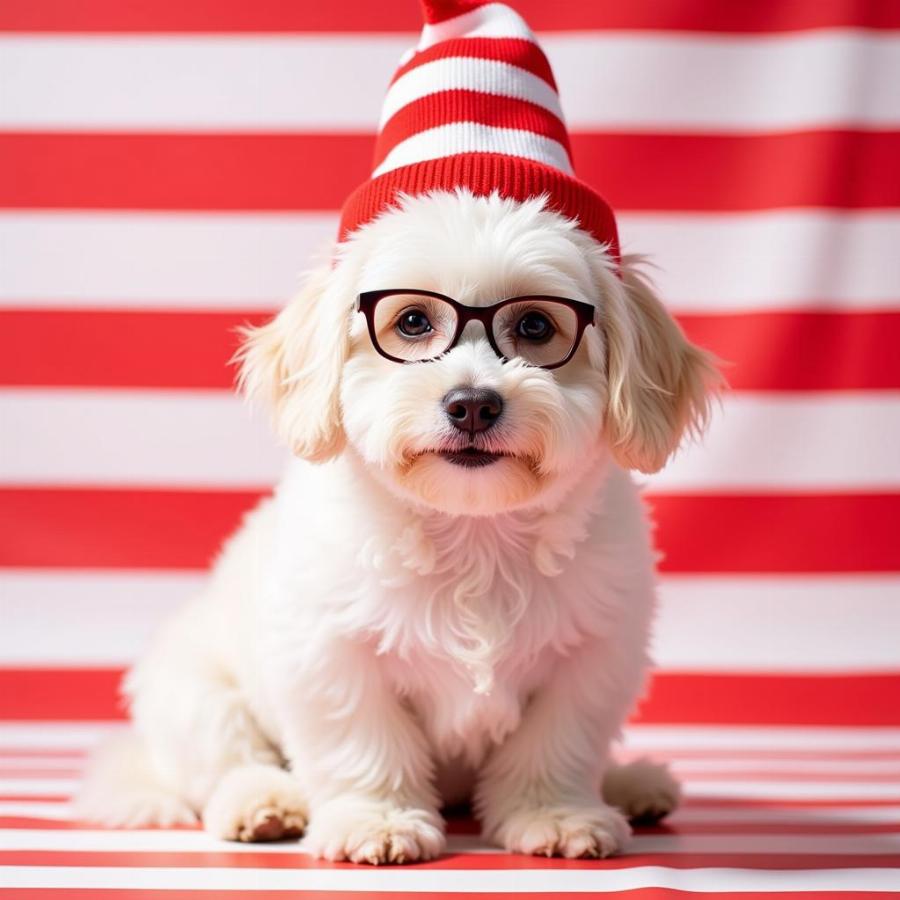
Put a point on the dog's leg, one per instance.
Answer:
(363, 759)
(121, 788)
(644, 790)
(539, 792)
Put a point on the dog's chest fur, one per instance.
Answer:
(466, 618)
(469, 617)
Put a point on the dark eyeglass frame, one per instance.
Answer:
(366, 302)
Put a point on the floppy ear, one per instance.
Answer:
(660, 385)
(294, 362)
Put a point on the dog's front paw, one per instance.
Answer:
(256, 803)
(570, 831)
(364, 831)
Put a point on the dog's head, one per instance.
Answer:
(476, 429)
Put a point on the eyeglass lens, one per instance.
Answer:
(412, 327)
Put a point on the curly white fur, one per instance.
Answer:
(395, 631)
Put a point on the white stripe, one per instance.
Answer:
(704, 624)
(199, 83)
(52, 810)
(727, 83)
(746, 738)
(747, 789)
(803, 768)
(38, 761)
(191, 438)
(696, 816)
(701, 766)
(78, 736)
(707, 263)
(786, 624)
(491, 20)
(113, 614)
(732, 789)
(211, 261)
(28, 787)
(607, 80)
(647, 738)
(683, 766)
(161, 841)
(779, 817)
(399, 880)
(487, 76)
(794, 442)
(472, 137)
(758, 261)
(211, 438)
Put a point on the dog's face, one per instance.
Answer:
(468, 432)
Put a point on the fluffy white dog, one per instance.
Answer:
(450, 595)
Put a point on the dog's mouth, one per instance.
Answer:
(470, 457)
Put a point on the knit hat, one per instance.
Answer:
(475, 105)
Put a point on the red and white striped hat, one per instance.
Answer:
(475, 105)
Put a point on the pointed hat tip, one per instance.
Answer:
(436, 11)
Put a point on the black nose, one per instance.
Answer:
(472, 409)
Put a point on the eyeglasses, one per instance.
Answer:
(418, 326)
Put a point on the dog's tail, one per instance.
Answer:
(645, 791)
(121, 789)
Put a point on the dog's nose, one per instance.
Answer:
(472, 409)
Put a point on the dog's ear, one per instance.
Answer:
(293, 364)
(660, 385)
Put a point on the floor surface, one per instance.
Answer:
(769, 812)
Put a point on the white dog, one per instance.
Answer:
(450, 595)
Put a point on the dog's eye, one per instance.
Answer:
(535, 326)
(413, 322)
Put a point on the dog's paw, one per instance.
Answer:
(645, 791)
(374, 832)
(570, 831)
(256, 803)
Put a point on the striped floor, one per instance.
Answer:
(769, 811)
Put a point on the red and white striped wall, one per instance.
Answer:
(167, 170)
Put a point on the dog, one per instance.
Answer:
(451, 593)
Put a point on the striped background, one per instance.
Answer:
(166, 170)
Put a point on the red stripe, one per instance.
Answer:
(778, 532)
(456, 861)
(772, 351)
(471, 827)
(117, 529)
(435, 11)
(190, 171)
(366, 16)
(447, 107)
(688, 697)
(120, 348)
(847, 169)
(37, 772)
(519, 52)
(183, 529)
(665, 172)
(29, 823)
(653, 893)
(753, 699)
(40, 752)
(800, 351)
